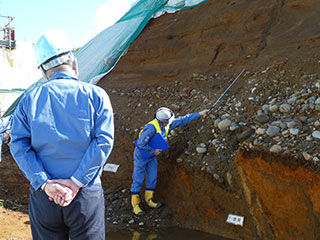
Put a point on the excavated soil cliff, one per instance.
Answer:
(185, 61)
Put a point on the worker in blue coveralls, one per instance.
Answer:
(61, 135)
(164, 121)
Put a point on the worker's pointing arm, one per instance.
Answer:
(185, 120)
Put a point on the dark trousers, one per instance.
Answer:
(84, 218)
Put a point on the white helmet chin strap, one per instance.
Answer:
(172, 118)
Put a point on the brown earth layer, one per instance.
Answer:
(181, 60)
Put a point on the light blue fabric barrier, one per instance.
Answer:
(99, 56)
(5, 124)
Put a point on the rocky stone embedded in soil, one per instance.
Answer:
(261, 115)
(119, 213)
(316, 134)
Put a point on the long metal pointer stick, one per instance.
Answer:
(225, 91)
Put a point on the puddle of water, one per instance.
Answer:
(163, 234)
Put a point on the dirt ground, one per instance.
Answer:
(14, 225)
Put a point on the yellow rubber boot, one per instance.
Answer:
(148, 197)
(135, 200)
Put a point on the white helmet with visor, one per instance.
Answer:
(164, 114)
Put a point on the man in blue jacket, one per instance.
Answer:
(147, 168)
(62, 134)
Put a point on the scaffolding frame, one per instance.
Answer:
(8, 31)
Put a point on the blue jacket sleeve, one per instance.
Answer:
(185, 120)
(101, 144)
(147, 133)
(22, 151)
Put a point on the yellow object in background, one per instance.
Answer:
(10, 57)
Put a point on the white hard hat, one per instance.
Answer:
(51, 44)
(164, 114)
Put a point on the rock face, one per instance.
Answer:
(257, 154)
(223, 36)
(185, 61)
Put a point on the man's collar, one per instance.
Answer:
(63, 75)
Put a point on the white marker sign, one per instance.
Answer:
(236, 220)
(109, 167)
